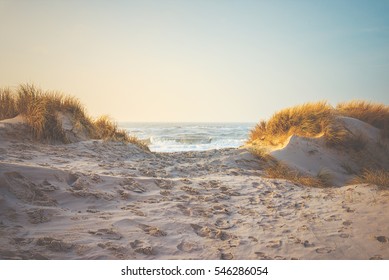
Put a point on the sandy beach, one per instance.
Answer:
(104, 200)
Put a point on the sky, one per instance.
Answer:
(197, 61)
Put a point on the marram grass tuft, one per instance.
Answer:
(43, 110)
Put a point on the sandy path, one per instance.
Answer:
(96, 200)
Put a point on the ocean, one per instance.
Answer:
(180, 137)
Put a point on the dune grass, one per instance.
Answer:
(277, 170)
(43, 110)
(379, 177)
(307, 120)
(375, 114)
(319, 119)
(7, 104)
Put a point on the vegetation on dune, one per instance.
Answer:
(321, 119)
(375, 114)
(105, 128)
(379, 177)
(45, 111)
(305, 120)
(276, 169)
(7, 104)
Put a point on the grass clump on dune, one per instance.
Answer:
(105, 128)
(307, 120)
(44, 113)
(276, 169)
(375, 114)
(322, 120)
(7, 104)
(318, 119)
(379, 177)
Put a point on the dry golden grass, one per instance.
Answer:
(41, 111)
(379, 177)
(307, 120)
(319, 119)
(276, 169)
(375, 114)
(105, 128)
(7, 104)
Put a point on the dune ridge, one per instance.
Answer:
(326, 146)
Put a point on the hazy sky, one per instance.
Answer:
(197, 60)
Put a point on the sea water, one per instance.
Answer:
(178, 137)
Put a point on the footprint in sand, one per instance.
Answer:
(118, 251)
(212, 184)
(21, 241)
(376, 257)
(186, 181)
(124, 195)
(95, 178)
(165, 193)
(226, 256)
(253, 239)
(106, 233)
(294, 240)
(221, 196)
(185, 210)
(37, 216)
(190, 190)
(53, 244)
(153, 231)
(164, 184)
(308, 244)
(188, 247)
(26, 190)
(348, 209)
(275, 244)
(234, 242)
(262, 256)
(223, 224)
(220, 209)
(48, 187)
(132, 185)
(324, 250)
(211, 232)
(141, 248)
(347, 223)
(302, 228)
(279, 258)
(382, 239)
(332, 218)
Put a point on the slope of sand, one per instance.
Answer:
(312, 156)
(98, 200)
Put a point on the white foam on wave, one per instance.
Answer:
(179, 137)
(172, 146)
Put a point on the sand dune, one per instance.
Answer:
(312, 156)
(105, 200)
